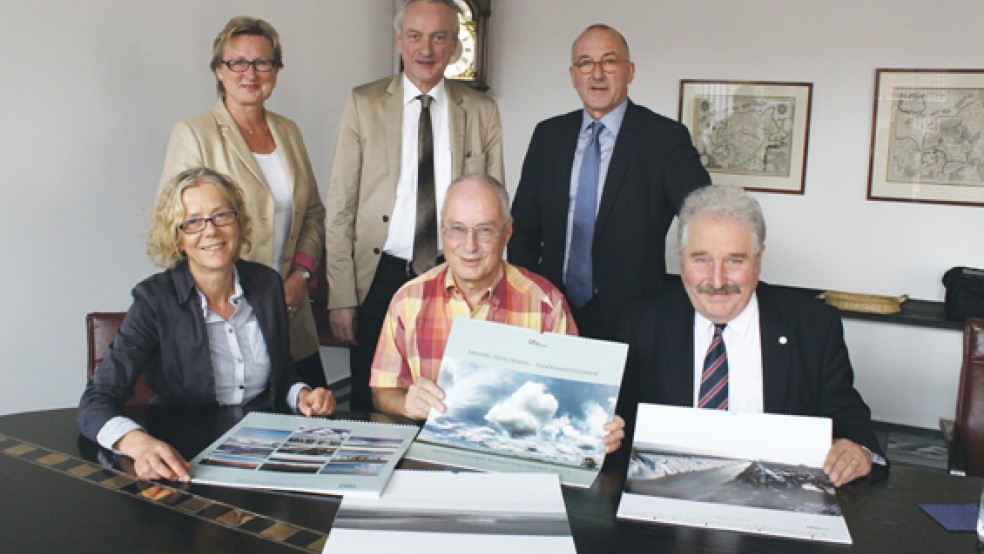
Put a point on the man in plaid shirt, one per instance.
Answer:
(475, 282)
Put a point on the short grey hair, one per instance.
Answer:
(488, 181)
(724, 201)
(455, 25)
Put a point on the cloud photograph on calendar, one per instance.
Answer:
(516, 414)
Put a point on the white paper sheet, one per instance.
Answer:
(477, 513)
(758, 473)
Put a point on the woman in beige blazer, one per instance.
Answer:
(264, 154)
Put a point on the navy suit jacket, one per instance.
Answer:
(808, 373)
(163, 337)
(653, 168)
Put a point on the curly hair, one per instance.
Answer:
(163, 242)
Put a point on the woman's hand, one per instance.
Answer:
(153, 458)
(317, 402)
(294, 293)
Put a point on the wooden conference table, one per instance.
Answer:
(56, 495)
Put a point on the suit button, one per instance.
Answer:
(386, 219)
(375, 251)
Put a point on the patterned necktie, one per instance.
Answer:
(714, 377)
(580, 281)
(425, 229)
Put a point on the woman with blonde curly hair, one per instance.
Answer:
(209, 330)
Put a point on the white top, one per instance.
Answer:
(743, 342)
(275, 174)
(399, 239)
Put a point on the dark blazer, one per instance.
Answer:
(808, 373)
(163, 337)
(653, 168)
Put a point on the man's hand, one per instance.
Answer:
(342, 322)
(294, 287)
(421, 397)
(317, 402)
(846, 461)
(153, 458)
(616, 432)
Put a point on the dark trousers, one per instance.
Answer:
(311, 371)
(391, 274)
(589, 322)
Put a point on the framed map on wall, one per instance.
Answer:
(750, 134)
(927, 136)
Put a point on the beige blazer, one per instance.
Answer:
(212, 140)
(362, 191)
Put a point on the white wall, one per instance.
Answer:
(91, 92)
(92, 89)
(831, 237)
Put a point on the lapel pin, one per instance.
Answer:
(783, 340)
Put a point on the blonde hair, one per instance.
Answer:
(163, 242)
(243, 25)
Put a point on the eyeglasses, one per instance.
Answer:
(259, 64)
(608, 65)
(483, 233)
(197, 224)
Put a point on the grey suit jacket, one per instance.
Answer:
(213, 140)
(805, 366)
(362, 191)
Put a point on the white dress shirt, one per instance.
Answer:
(399, 238)
(743, 343)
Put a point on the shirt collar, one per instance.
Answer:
(410, 92)
(493, 294)
(611, 120)
(739, 326)
(237, 293)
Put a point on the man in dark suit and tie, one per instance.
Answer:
(723, 340)
(599, 188)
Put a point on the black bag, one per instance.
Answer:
(964, 293)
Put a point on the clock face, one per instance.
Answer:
(462, 66)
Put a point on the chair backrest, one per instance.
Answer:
(970, 397)
(101, 328)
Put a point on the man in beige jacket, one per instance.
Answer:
(372, 196)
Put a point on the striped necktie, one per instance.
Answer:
(714, 377)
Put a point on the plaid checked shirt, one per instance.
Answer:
(415, 332)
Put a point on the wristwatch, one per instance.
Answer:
(303, 271)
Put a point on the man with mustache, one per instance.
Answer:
(723, 340)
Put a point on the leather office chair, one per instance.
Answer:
(966, 438)
(101, 328)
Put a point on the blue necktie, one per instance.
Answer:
(580, 282)
(714, 377)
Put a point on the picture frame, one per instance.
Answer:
(753, 134)
(927, 136)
